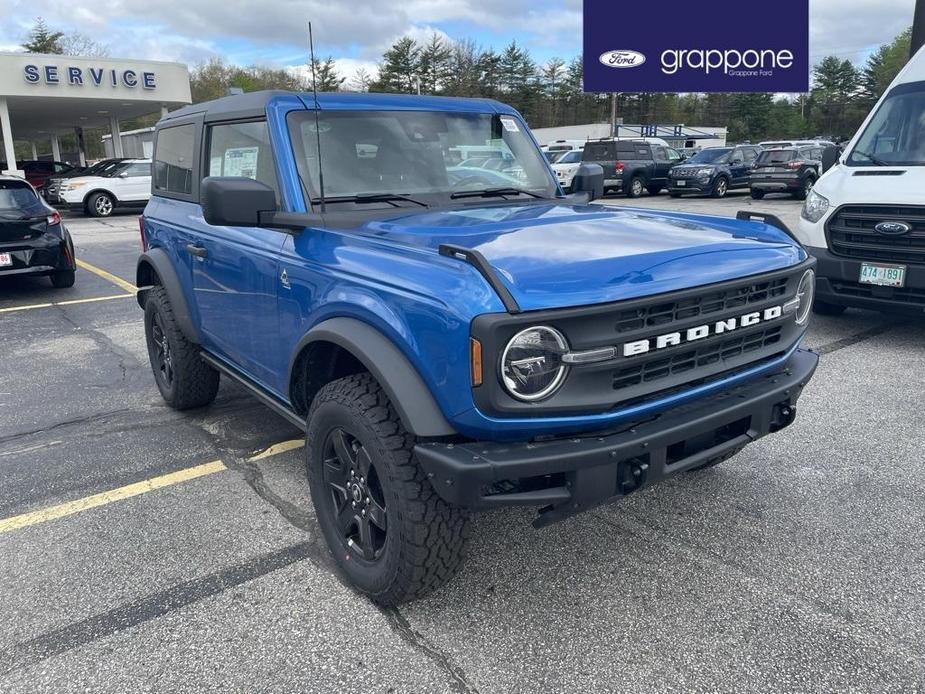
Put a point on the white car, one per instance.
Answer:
(565, 166)
(127, 184)
(864, 220)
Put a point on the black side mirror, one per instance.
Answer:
(236, 202)
(589, 181)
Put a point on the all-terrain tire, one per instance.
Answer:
(425, 539)
(189, 382)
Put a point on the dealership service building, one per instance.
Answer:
(45, 96)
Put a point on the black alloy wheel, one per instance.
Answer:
(162, 361)
(356, 495)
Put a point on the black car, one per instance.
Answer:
(33, 241)
(792, 170)
(714, 171)
(631, 166)
(52, 187)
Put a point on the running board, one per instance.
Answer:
(278, 407)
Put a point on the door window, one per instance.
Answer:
(135, 170)
(242, 149)
(173, 159)
(659, 153)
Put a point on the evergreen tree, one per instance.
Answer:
(41, 39)
(398, 71)
(883, 66)
(326, 77)
(434, 65)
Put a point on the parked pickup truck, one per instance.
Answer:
(453, 338)
(632, 166)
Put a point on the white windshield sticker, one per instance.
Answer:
(241, 161)
(510, 125)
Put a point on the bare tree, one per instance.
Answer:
(361, 80)
(83, 45)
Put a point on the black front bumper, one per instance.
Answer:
(569, 476)
(837, 282)
(691, 185)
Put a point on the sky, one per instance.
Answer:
(274, 32)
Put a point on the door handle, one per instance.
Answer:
(197, 251)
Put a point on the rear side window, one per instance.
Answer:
(173, 159)
(142, 169)
(597, 151)
(15, 195)
(242, 149)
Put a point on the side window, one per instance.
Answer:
(673, 155)
(138, 170)
(173, 159)
(242, 149)
(644, 152)
(659, 153)
(749, 153)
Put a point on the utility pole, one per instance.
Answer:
(613, 109)
(918, 27)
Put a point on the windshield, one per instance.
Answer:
(572, 157)
(428, 155)
(15, 196)
(100, 167)
(896, 133)
(711, 156)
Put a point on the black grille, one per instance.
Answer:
(693, 359)
(851, 233)
(709, 304)
(684, 173)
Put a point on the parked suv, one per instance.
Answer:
(127, 184)
(52, 187)
(865, 218)
(714, 171)
(631, 166)
(791, 170)
(449, 343)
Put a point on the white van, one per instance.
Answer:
(864, 220)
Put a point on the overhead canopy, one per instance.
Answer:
(48, 95)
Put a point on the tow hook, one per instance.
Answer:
(631, 475)
(784, 414)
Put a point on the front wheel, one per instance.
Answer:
(654, 190)
(720, 188)
(101, 205)
(391, 534)
(757, 194)
(675, 195)
(184, 380)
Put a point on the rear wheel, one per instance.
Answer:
(720, 188)
(185, 380)
(635, 188)
(101, 204)
(391, 534)
(62, 279)
(805, 188)
(826, 309)
(757, 194)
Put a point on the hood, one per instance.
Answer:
(879, 185)
(557, 255)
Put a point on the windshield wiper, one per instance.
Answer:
(494, 192)
(871, 158)
(361, 198)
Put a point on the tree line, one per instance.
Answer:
(547, 93)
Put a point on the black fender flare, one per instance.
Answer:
(158, 261)
(410, 396)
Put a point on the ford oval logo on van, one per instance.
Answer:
(622, 59)
(892, 228)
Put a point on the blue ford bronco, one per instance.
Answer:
(453, 336)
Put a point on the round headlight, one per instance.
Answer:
(531, 366)
(806, 291)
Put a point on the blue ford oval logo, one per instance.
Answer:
(622, 59)
(892, 228)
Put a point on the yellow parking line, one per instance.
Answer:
(103, 498)
(118, 281)
(70, 302)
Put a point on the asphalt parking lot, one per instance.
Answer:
(148, 550)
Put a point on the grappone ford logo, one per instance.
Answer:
(622, 59)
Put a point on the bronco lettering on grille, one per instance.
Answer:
(699, 332)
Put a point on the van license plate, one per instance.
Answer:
(5, 259)
(883, 275)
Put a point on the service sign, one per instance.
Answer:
(676, 46)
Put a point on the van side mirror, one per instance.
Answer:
(236, 201)
(589, 182)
